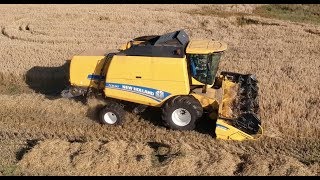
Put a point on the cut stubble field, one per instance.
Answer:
(42, 134)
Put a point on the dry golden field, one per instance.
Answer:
(42, 134)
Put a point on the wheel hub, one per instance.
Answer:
(181, 117)
(110, 118)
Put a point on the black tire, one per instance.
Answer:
(112, 114)
(182, 105)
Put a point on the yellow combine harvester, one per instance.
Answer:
(170, 72)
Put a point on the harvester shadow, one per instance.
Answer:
(49, 81)
(152, 115)
(207, 125)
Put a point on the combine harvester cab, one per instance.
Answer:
(238, 110)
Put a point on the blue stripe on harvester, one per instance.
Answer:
(154, 94)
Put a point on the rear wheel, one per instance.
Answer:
(182, 112)
(112, 114)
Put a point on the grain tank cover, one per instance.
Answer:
(178, 38)
(167, 45)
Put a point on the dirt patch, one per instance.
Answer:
(311, 31)
(56, 157)
(241, 21)
(30, 144)
(91, 158)
(307, 13)
(273, 165)
(8, 160)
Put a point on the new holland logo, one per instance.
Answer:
(154, 94)
(159, 94)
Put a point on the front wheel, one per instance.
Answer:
(112, 114)
(182, 112)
